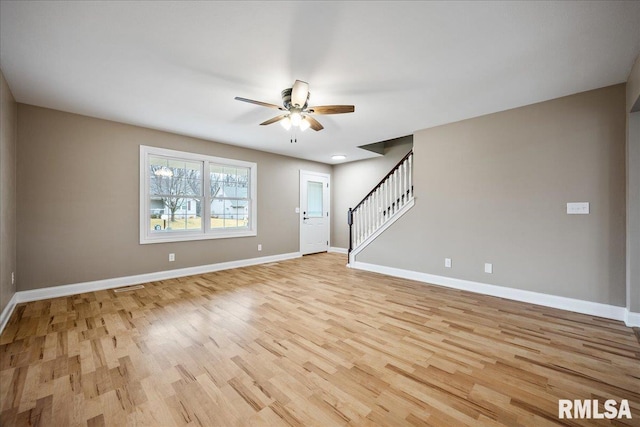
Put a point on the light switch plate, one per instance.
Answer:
(488, 268)
(578, 208)
(447, 262)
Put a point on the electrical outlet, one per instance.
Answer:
(447, 262)
(13, 278)
(172, 257)
(259, 246)
(488, 268)
(578, 208)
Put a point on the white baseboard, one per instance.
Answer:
(98, 285)
(563, 303)
(8, 309)
(338, 250)
(632, 319)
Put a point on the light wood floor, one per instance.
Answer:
(306, 342)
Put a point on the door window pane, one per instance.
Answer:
(314, 199)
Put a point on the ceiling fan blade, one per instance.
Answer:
(332, 109)
(299, 93)
(314, 124)
(275, 119)
(264, 104)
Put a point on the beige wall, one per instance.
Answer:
(633, 87)
(633, 188)
(494, 189)
(352, 181)
(78, 201)
(8, 117)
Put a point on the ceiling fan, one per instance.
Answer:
(298, 114)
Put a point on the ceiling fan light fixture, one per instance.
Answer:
(296, 118)
(295, 109)
(304, 124)
(286, 123)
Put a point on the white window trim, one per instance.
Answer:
(205, 233)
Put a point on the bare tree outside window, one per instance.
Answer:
(189, 196)
(174, 183)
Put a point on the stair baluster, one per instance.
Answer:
(386, 199)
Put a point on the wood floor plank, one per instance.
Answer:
(307, 342)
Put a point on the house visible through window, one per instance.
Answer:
(230, 196)
(177, 193)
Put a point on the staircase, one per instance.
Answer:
(387, 202)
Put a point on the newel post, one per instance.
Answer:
(350, 223)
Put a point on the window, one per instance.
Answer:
(178, 190)
(314, 199)
(230, 199)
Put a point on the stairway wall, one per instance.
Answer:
(493, 189)
(633, 188)
(353, 181)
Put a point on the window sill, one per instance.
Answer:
(190, 237)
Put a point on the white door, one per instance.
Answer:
(314, 212)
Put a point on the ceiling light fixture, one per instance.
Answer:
(295, 120)
(286, 123)
(304, 124)
(338, 157)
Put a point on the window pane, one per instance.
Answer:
(230, 217)
(242, 212)
(159, 185)
(190, 176)
(175, 187)
(230, 196)
(217, 222)
(229, 213)
(175, 214)
(171, 177)
(314, 199)
(216, 173)
(242, 177)
(226, 179)
(229, 182)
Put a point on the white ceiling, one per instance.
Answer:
(406, 66)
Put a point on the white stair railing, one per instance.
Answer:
(382, 203)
